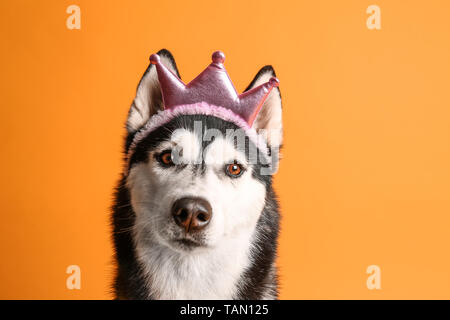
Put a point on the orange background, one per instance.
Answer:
(365, 177)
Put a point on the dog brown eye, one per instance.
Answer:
(166, 158)
(234, 170)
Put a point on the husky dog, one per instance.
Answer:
(193, 229)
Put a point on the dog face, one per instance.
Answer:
(192, 185)
(190, 194)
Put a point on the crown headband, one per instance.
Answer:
(212, 86)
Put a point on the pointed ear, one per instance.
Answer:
(148, 100)
(269, 117)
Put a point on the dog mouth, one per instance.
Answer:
(187, 243)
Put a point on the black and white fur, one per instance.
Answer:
(235, 258)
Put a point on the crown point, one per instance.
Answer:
(154, 58)
(218, 57)
(274, 82)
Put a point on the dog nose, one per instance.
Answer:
(192, 213)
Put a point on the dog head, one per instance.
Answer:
(199, 180)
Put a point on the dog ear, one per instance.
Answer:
(148, 100)
(269, 117)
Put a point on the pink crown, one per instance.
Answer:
(212, 86)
